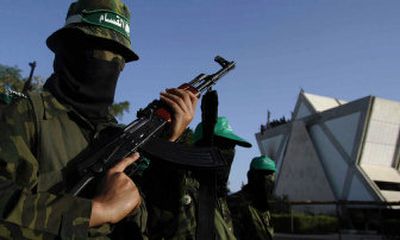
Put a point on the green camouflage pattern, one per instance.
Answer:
(121, 43)
(224, 228)
(35, 144)
(172, 205)
(7, 95)
(248, 221)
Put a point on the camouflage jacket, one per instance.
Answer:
(249, 222)
(172, 204)
(36, 143)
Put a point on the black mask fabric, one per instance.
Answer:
(223, 175)
(84, 82)
(261, 184)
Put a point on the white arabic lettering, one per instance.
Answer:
(119, 22)
(116, 22)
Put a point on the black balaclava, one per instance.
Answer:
(261, 184)
(81, 80)
(227, 149)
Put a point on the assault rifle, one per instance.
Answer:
(141, 135)
(28, 84)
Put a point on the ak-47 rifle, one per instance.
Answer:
(141, 135)
(28, 83)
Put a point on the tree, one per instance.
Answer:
(118, 109)
(11, 78)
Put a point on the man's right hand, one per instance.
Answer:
(119, 195)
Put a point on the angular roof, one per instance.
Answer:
(321, 103)
(357, 145)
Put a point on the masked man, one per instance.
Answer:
(42, 133)
(249, 207)
(174, 194)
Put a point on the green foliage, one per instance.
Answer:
(305, 224)
(10, 77)
(118, 109)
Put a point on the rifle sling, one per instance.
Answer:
(185, 156)
(206, 206)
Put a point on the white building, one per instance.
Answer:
(336, 150)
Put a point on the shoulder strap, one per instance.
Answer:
(38, 110)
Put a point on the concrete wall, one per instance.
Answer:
(344, 130)
(335, 166)
(301, 175)
(382, 140)
(303, 111)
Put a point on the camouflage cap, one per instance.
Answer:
(222, 129)
(262, 163)
(102, 19)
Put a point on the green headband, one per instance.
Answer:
(104, 18)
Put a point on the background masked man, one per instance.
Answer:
(249, 207)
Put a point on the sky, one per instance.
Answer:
(345, 49)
